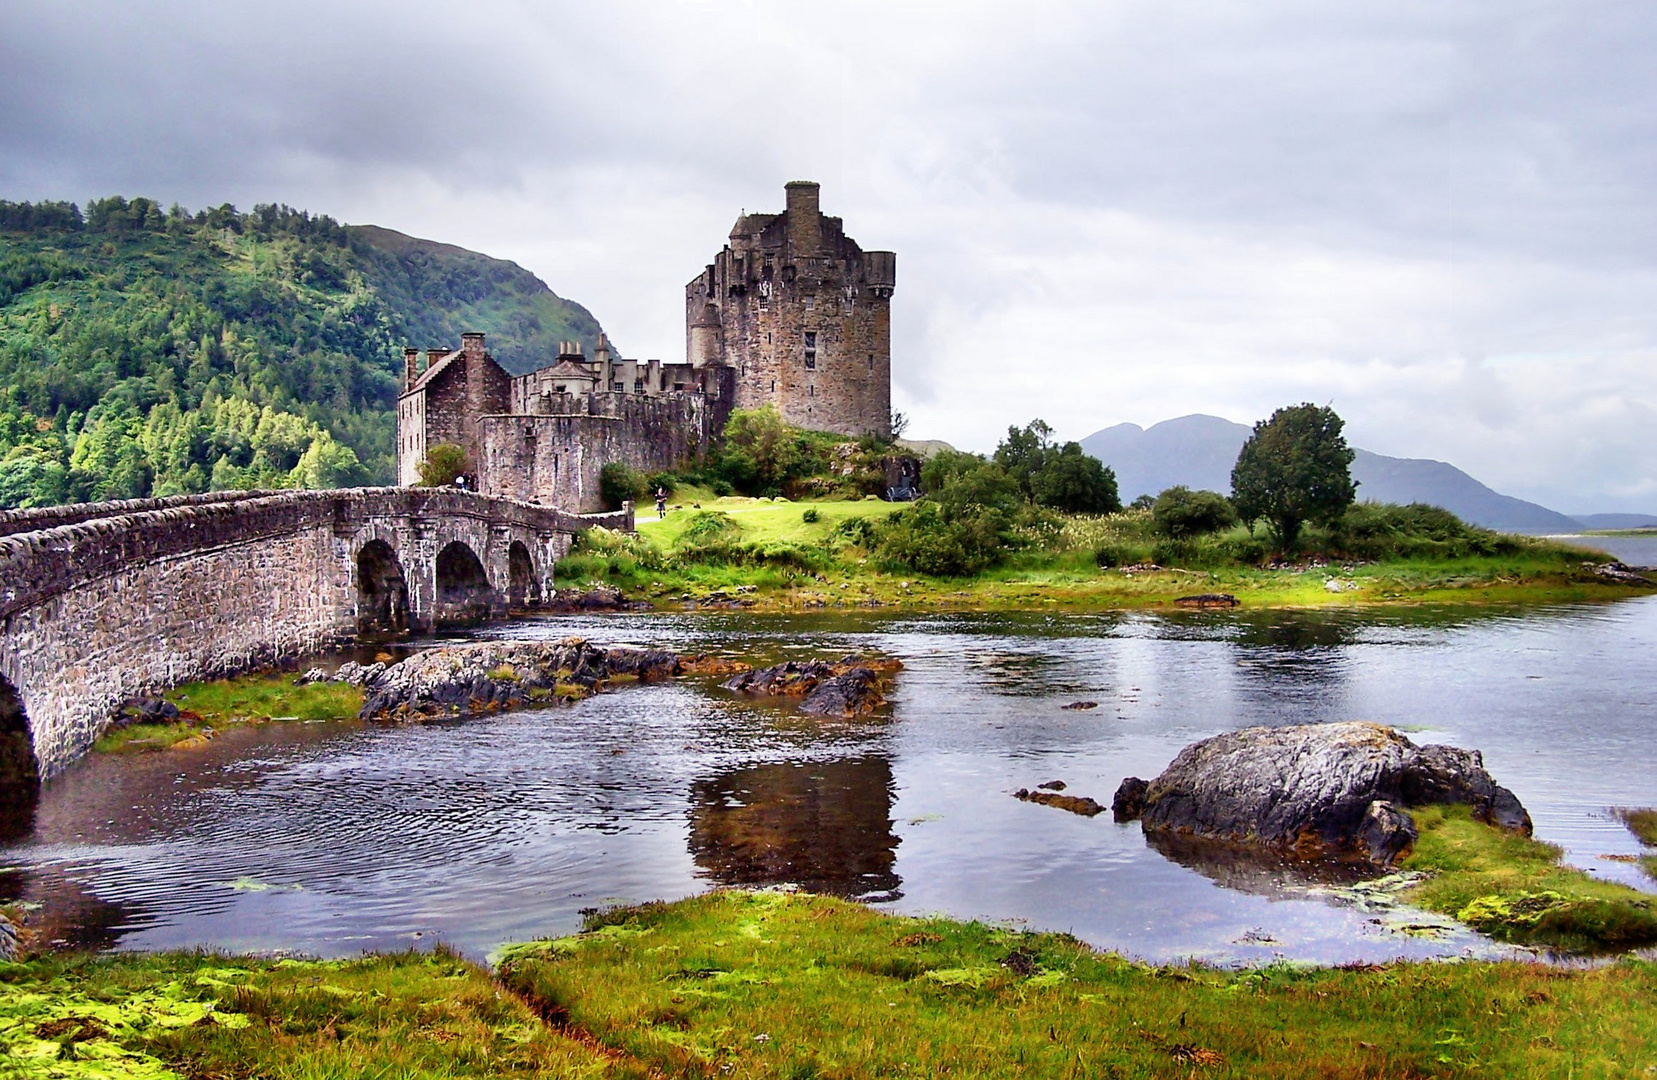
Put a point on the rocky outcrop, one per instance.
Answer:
(849, 687)
(489, 676)
(1076, 804)
(597, 598)
(1314, 791)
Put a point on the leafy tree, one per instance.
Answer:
(1180, 513)
(1058, 477)
(443, 463)
(618, 484)
(760, 450)
(1076, 482)
(1294, 469)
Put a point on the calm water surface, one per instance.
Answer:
(335, 838)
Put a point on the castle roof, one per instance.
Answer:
(431, 373)
(570, 369)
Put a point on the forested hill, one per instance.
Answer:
(151, 352)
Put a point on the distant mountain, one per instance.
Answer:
(1617, 521)
(1199, 451)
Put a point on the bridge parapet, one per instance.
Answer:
(119, 599)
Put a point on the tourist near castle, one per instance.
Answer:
(408, 669)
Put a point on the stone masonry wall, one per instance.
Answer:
(556, 459)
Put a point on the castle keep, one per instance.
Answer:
(803, 316)
(791, 313)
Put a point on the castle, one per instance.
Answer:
(792, 313)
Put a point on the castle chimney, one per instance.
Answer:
(411, 361)
(435, 355)
(472, 343)
(805, 226)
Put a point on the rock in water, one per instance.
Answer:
(488, 676)
(848, 687)
(1315, 791)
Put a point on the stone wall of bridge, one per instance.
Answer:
(98, 607)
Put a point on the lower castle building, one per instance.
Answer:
(791, 313)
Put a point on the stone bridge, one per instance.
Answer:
(105, 601)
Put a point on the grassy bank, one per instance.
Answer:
(772, 984)
(1515, 889)
(768, 984)
(148, 1017)
(206, 708)
(783, 556)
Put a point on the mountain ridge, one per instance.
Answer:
(1199, 450)
(148, 351)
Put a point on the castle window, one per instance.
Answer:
(638, 386)
(559, 389)
(810, 349)
(871, 363)
(617, 386)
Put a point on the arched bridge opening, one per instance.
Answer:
(523, 587)
(19, 772)
(382, 592)
(464, 595)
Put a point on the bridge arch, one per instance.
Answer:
(464, 595)
(523, 582)
(382, 591)
(19, 771)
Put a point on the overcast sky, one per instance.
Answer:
(1437, 217)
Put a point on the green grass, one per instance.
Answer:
(151, 1016)
(767, 521)
(775, 984)
(785, 563)
(209, 706)
(770, 984)
(1514, 888)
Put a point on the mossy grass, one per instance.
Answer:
(1515, 889)
(199, 1015)
(774, 984)
(207, 707)
(783, 562)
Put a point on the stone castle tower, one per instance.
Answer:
(803, 316)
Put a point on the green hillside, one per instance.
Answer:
(153, 352)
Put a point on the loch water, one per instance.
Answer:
(332, 839)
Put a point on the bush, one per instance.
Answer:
(856, 532)
(662, 481)
(1180, 513)
(925, 539)
(1387, 530)
(810, 516)
(618, 484)
(444, 462)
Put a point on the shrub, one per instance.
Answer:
(810, 516)
(444, 462)
(925, 539)
(662, 481)
(1180, 513)
(618, 484)
(856, 531)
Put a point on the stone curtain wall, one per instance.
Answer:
(555, 459)
(96, 611)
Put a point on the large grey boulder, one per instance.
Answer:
(1315, 791)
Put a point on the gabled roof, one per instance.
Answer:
(569, 369)
(431, 373)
